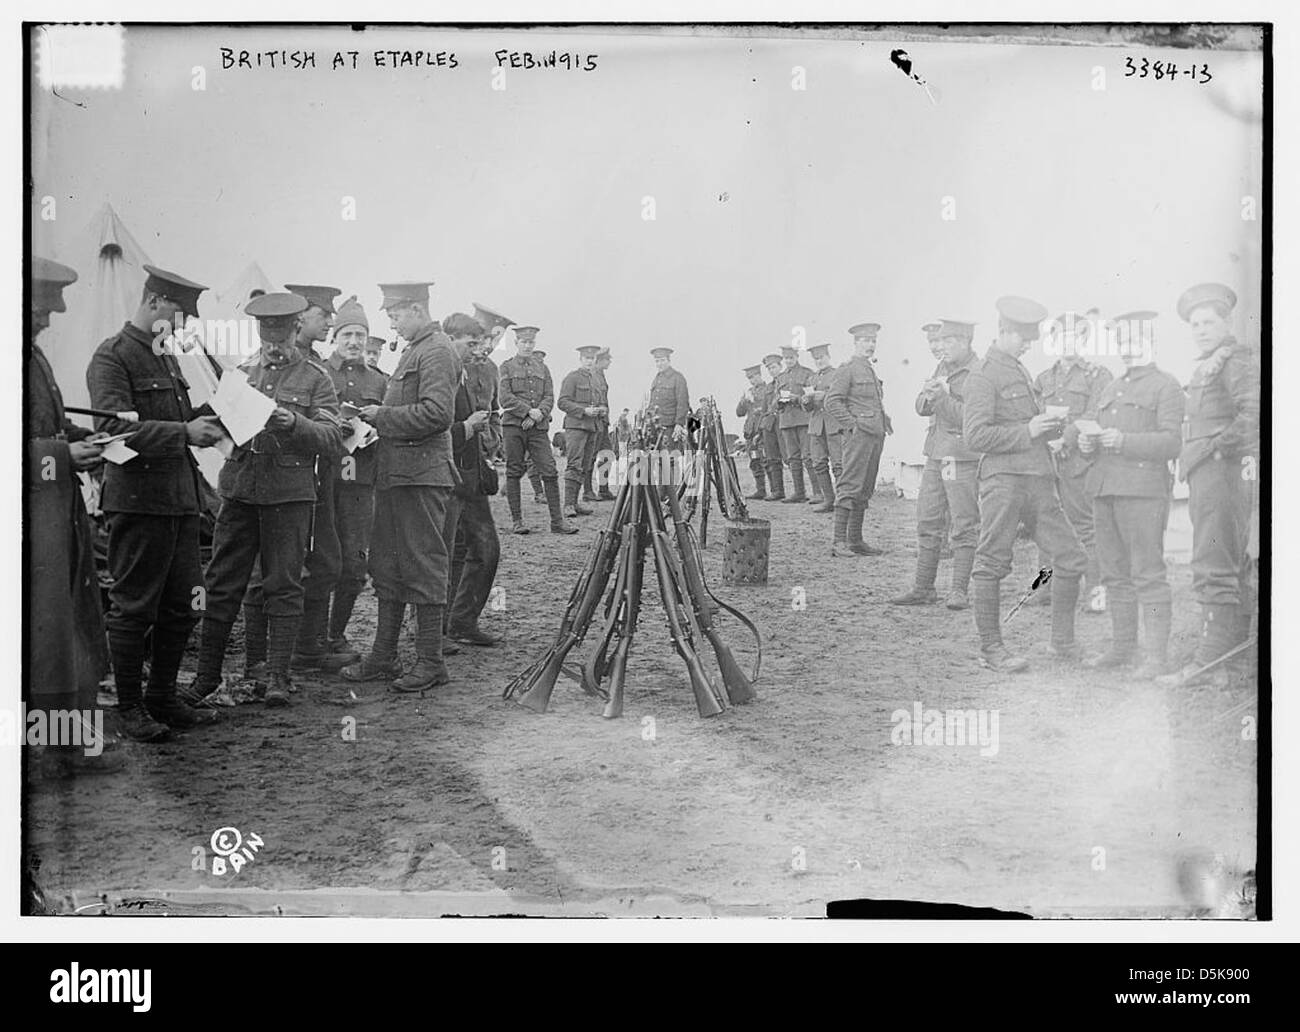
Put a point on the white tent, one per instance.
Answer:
(223, 306)
(110, 269)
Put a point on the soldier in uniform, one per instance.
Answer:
(584, 403)
(669, 397)
(769, 428)
(1005, 421)
(753, 405)
(825, 443)
(855, 403)
(357, 384)
(268, 492)
(374, 348)
(527, 397)
(475, 438)
(152, 504)
(66, 656)
(324, 555)
(949, 495)
(604, 443)
(1141, 416)
(414, 480)
(1075, 382)
(1219, 460)
(792, 421)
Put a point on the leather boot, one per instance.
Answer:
(856, 545)
(1124, 636)
(429, 670)
(1157, 620)
(558, 524)
(760, 486)
(571, 507)
(988, 625)
(340, 614)
(280, 640)
(1065, 597)
(309, 649)
(254, 638)
(126, 649)
(796, 474)
(381, 663)
(828, 494)
(160, 697)
(213, 635)
(922, 593)
(963, 561)
(839, 536)
(815, 482)
(776, 481)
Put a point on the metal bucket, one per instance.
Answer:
(744, 552)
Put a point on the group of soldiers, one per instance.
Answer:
(309, 507)
(1075, 458)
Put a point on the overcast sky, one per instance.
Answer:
(774, 207)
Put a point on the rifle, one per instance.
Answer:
(737, 684)
(631, 608)
(538, 681)
(594, 670)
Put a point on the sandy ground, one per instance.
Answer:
(458, 802)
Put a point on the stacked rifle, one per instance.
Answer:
(716, 468)
(607, 595)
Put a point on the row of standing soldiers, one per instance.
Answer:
(1076, 458)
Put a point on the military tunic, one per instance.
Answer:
(792, 420)
(414, 472)
(855, 404)
(526, 384)
(268, 492)
(753, 407)
(769, 429)
(1130, 488)
(1219, 461)
(669, 399)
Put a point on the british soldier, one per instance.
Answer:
(825, 442)
(752, 406)
(770, 430)
(527, 397)
(584, 403)
(792, 420)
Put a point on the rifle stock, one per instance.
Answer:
(706, 697)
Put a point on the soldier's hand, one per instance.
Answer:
(281, 419)
(1112, 439)
(535, 414)
(1044, 424)
(474, 421)
(591, 410)
(203, 431)
(368, 413)
(85, 454)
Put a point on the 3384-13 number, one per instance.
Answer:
(1158, 70)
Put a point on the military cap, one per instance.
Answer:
(587, 349)
(789, 351)
(955, 328)
(174, 288)
(528, 332)
(1205, 294)
(489, 319)
(1141, 315)
(276, 307)
(664, 351)
(321, 297)
(865, 329)
(1021, 315)
(819, 350)
(603, 353)
(767, 359)
(405, 292)
(750, 370)
(931, 329)
(350, 313)
(48, 280)
(375, 342)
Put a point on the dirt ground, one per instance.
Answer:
(1100, 792)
